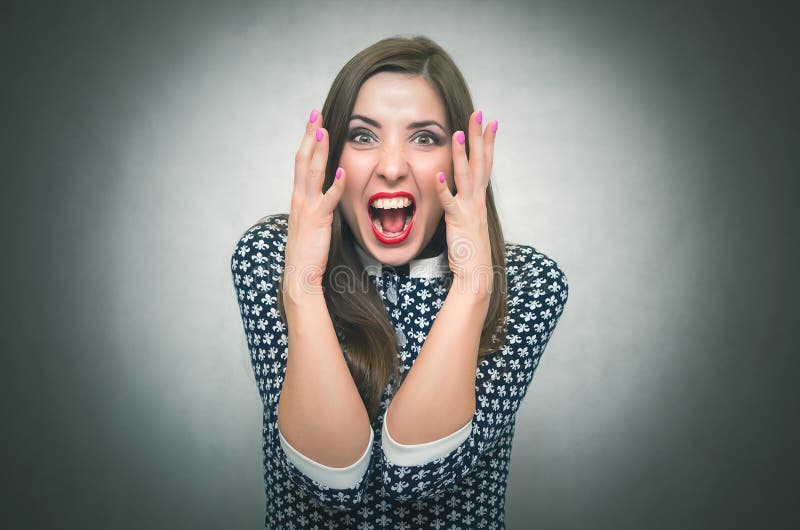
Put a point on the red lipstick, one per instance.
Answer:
(399, 238)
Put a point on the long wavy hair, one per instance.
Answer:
(357, 311)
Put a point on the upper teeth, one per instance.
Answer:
(395, 202)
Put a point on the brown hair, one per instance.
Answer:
(356, 309)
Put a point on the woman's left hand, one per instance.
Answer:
(468, 244)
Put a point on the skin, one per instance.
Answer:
(320, 411)
(392, 157)
(437, 397)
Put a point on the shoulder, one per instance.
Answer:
(532, 273)
(261, 247)
(267, 234)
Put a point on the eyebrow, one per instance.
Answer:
(413, 125)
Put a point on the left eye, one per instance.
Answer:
(432, 140)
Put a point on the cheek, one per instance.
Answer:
(434, 210)
(349, 203)
(353, 161)
(447, 167)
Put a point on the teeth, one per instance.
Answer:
(395, 202)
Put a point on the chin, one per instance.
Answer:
(395, 255)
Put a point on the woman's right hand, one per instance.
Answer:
(311, 214)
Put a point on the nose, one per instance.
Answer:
(392, 163)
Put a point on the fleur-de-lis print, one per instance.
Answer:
(463, 488)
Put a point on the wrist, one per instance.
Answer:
(299, 290)
(475, 285)
(474, 292)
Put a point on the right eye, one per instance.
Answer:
(358, 136)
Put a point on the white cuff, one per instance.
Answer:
(332, 477)
(419, 454)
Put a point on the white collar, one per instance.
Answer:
(434, 267)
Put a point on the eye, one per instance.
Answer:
(430, 139)
(356, 134)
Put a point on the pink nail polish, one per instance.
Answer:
(313, 117)
(460, 137)
(479, 117)
(338, 173)
(319, 134)
(494, 126)
(441, 176)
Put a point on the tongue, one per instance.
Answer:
(392, 220)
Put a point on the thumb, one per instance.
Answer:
(334, 193)
(445, 196)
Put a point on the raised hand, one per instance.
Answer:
(468, 245)
(311, 213)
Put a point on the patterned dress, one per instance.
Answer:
(458, 482)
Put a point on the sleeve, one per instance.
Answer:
(332, 477)
(409, 455)
(537, 295)
(256, 267)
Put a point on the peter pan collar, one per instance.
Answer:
(433, 267)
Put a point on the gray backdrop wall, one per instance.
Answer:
(649, 147)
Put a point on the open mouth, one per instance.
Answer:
(392, 215)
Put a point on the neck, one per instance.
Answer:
(430, 251)
(436, 245)
(433, 266)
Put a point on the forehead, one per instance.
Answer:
(398, 95)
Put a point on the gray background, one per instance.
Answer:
(649, 147)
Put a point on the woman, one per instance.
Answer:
(387, 319)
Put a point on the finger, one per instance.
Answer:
(488, 148)
(334, 194)
(460, 162)
(446, 197)
(316, 171)
(302, 158)
(476, 153)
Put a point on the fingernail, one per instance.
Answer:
(441, 176)
(479, 117)
(460, 137)
(313, 117)
(494, 126)
(338, 173)
(319, 134)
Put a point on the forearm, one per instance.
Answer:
(438, 395)
(320, 412)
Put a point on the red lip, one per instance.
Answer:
(399, 238)
(390, 194)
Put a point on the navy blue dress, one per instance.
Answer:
(463, 489)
